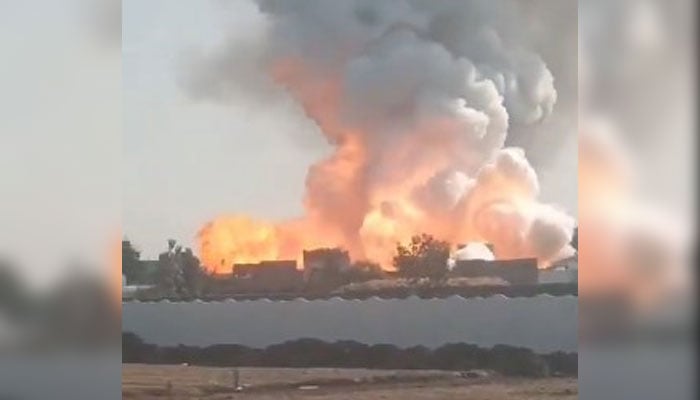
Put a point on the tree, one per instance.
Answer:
(363, 271)
(130, 262)
(192, 272)
(179, 271)
(170, 279)
(424, 256)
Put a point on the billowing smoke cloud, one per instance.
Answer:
(417, 99)
(502, 208)
(474, 251)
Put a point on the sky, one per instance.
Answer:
(186, 162)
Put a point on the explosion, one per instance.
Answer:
(416, 98)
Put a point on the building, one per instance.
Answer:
(268, 276)
(264, 268)
(325, 259)
(563, 271)
(516, 272)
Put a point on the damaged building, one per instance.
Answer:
(562, 271)
(268, 276)
(323, 268)
(515, 272)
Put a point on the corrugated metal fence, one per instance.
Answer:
(543, 323)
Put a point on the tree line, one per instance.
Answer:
(314, 353)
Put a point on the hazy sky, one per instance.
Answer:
(186, 162)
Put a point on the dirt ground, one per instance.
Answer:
(187, 382)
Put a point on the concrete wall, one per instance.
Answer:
(558, 275)
(542, 323)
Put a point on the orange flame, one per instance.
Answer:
(365, 196)
(238, 239)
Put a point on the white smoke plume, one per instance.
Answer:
(474, 251)
(417, 98)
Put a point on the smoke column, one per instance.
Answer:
(416, 98)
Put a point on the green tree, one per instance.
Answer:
(179, 272)
(130, 262)
(170, 280)
(423, 256)
(193, 273)
(363, 271)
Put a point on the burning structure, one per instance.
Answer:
(515, 271)
(318, 260)
(268, 276)
(416, 100)
(257, 270)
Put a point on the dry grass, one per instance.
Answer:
(183, 382)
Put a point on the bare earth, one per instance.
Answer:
(186, 382)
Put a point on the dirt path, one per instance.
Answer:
(182, 382)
